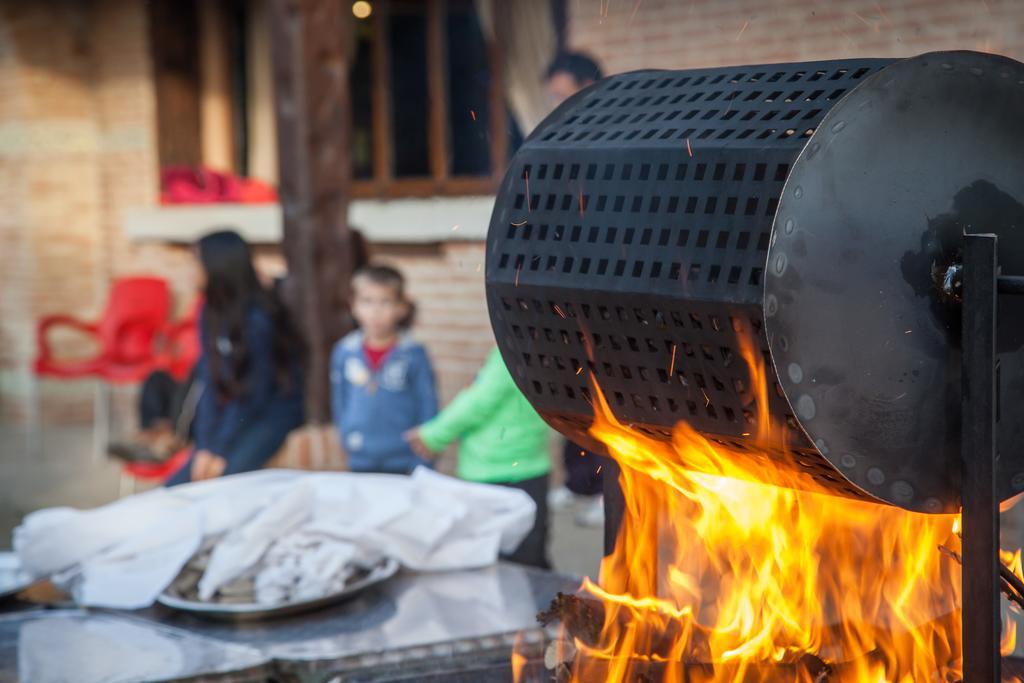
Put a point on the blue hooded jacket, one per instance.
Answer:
(372, 410)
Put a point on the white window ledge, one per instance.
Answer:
(438, 219)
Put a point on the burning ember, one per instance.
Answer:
(717, 577)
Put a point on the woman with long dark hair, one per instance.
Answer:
(250, 366)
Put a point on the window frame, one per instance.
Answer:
(384, 184)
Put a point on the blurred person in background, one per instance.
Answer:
(502, 441)
(382, 382)
(250, 366)
(569, 73)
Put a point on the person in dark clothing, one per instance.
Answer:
(167, 410)
(569, 73)
(250, 367)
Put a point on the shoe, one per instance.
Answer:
(592, 516)
(561, 499)
(132, 452)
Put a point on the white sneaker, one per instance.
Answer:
(593, 514)
(560, 499)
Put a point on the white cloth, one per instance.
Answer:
(299, 526)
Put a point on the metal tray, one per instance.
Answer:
(251, 612)
(12, 578)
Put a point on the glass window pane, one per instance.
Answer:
(362, 102)
(469, 81)
(407, 32)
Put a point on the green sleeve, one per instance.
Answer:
(472, 407)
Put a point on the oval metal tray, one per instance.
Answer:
(250, 612)
(13, 579)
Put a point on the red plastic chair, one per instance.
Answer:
(154, 472)
(127, 333)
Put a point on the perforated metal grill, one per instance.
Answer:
(629, 240)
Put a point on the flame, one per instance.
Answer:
(718, 576)
(518, 658)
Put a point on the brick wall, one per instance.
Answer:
(76, 147)
(672, 34)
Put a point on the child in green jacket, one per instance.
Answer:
(503, 441)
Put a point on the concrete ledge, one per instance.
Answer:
(438, 219)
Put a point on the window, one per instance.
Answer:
(429, 115)
(428, 109)
(213, 83)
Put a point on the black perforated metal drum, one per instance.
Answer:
(631, 235)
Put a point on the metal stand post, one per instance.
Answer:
(980, 506)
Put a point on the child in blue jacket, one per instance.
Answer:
(382, 383)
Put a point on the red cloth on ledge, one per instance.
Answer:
(187, 185)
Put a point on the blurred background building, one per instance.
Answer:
(97, 96)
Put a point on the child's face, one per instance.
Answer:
(377, 308)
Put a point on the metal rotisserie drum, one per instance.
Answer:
(658, 219)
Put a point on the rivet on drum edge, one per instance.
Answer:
(780, 264)
(932, 505)
(838, 126)
(876, 476)
(771, 305)
(848, 461)
(822, 446)
(796, 373)
(798, 192)
(902, 491)
(784, 343)
(805, 407)
(1018, 481)
(789, 225)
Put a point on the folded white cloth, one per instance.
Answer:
(300, 532)
(243, 547)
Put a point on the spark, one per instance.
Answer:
(520, 223)
(518, 268)
(689, 149)
(472, 114)
(559, 311)
(908, 332)
(579, 370)
(863, 20)
(455, 227)
(598, 469)
(707, 399)
(672, 363)
(745, 25)
(635, 8)
(582, 453)
(526, 177)
(581, 201)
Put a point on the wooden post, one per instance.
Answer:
(311, 72)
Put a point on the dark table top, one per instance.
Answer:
(411, 618)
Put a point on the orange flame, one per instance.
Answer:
(716, 577)
(518, 658)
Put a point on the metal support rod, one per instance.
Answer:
(1010, 284)
(980, 507)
